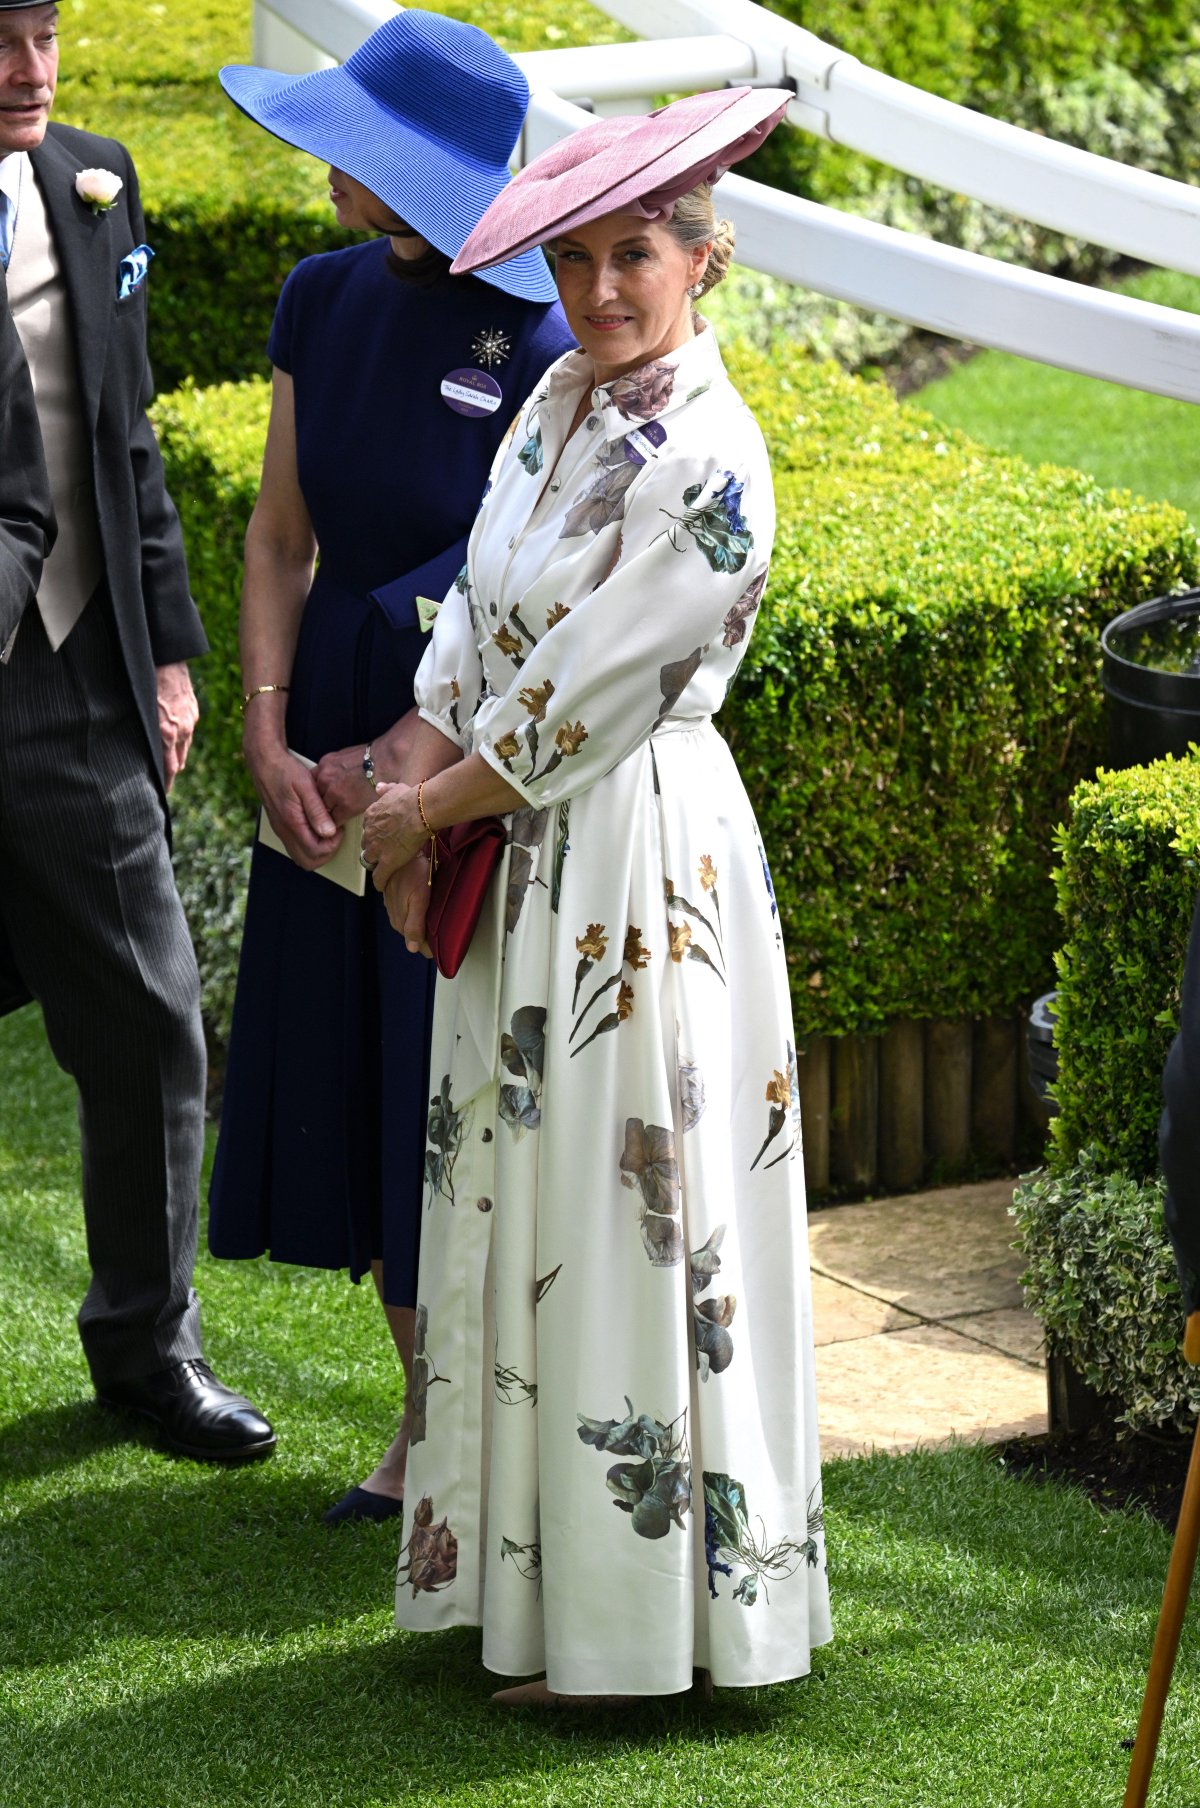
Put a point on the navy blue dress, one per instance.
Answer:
(322, 1137)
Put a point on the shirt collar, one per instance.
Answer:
(652, 391)
(12, 168)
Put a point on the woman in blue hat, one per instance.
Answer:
(393, 385)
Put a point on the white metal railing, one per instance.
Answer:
(691, 44)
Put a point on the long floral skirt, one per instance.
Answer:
(614, 1467)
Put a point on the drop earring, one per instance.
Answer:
(696, 290)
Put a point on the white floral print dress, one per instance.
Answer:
(614, 1467)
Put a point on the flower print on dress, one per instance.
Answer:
(592, 947)
(683, 942)
(718, 526)
(445, 1130)
(568, 739)
(527, 1559)
(708, 882)
(712, 1317)
(743, 610)
(767, 879)
(727, 1531)
(511, 1388)
(526, 835)
(429, 1561)
(559, 613)
(648, 1165)
(523, 1053)
(542, 1287)
(655, 1487)
(691, 1094)
(614, 1018)
(562, 848)
(643, 393)
(424, 1374)
(530, 455)
(604, 502)
(507, 749)
(783, 1096)
(534, 700)
(509, 645)
(674, 678)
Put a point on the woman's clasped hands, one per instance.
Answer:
(394, 848)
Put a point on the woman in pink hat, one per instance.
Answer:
(614, 1465)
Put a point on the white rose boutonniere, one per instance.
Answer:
(99, 188)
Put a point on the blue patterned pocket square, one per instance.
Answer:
(131, 271)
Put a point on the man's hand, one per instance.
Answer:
(178, 713)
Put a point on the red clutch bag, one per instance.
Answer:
(467, 857)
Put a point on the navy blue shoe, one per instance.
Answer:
(360, 1503)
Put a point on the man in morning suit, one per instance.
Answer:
(96, 716)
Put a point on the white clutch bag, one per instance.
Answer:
(345, 869)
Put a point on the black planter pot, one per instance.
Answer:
(1150, 712)
(1041, 1054)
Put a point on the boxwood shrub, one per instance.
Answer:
(920, 696)
(1127, 883)
(1101, 1277)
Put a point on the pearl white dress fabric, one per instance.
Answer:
(614, 1467)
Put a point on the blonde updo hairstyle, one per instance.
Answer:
(693, 222)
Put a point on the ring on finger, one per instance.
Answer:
(367, 865)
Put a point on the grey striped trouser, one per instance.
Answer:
(96, 929)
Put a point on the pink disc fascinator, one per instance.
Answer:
(636, 163)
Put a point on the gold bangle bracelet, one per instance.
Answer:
(261, 690)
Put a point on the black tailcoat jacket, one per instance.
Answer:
(156, 619)
(26, 521)
(144, 565)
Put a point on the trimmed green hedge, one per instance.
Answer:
(212, 445)
(1102, 1280)
(1130, 870)
(229, 209)
(920, 697)
(922, 694)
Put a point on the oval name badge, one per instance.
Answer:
(643, 442)
(471, 392)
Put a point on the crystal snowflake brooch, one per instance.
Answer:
(490, 347)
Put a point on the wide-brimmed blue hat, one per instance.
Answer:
(425, 114)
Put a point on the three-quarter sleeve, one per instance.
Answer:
(661, 635)
(449, 684)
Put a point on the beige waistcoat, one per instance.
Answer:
(41, 310)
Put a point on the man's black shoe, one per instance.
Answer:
(196, 1415)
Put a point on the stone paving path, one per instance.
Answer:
(920, 1326)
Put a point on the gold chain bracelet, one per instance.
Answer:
(432, 833)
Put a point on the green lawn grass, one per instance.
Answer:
(1124, 437)
(175, 1636)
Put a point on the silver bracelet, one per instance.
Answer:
(369, 768)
